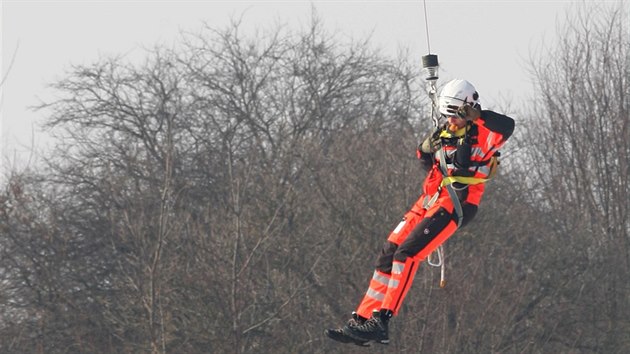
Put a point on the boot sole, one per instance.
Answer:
(344, 338)
(348, 334)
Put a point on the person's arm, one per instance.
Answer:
(493, 121)
(497, 123)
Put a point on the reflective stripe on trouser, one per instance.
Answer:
(438, 219)
(407, 270)
(375, 294)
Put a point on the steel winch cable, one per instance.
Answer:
(431, 65)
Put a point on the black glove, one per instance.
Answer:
(468, 112)
(432, 143)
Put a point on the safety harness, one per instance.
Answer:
(492, 163)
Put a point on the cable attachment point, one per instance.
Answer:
(430, 65)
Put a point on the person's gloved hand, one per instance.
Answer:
(432, 143)
(468, 112)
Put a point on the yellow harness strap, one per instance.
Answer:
(463, 180)
(472, 180)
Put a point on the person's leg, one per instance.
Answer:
(437, 226)
(375, 294)
(469, 210)
(433, 229)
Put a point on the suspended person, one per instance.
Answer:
(468, 143)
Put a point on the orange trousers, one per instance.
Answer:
(419, 234)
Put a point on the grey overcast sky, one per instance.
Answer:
(487, 42)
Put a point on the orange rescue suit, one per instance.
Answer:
(432, 219)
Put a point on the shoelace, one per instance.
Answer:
(368, 325)
(355, 320)
(353, 323)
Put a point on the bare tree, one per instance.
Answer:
(212, 185)
(579, 177)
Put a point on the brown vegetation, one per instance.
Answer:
(229, 196)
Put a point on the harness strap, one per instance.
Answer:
(458, 209)
(493, 163)
(426, 204)
(463, 180)
(449, 188)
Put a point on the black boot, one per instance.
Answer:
(339, 335)
(374, 329)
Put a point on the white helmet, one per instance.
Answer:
(455, 94)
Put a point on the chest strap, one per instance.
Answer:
(492, 163)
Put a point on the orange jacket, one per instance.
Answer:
(469, 152)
